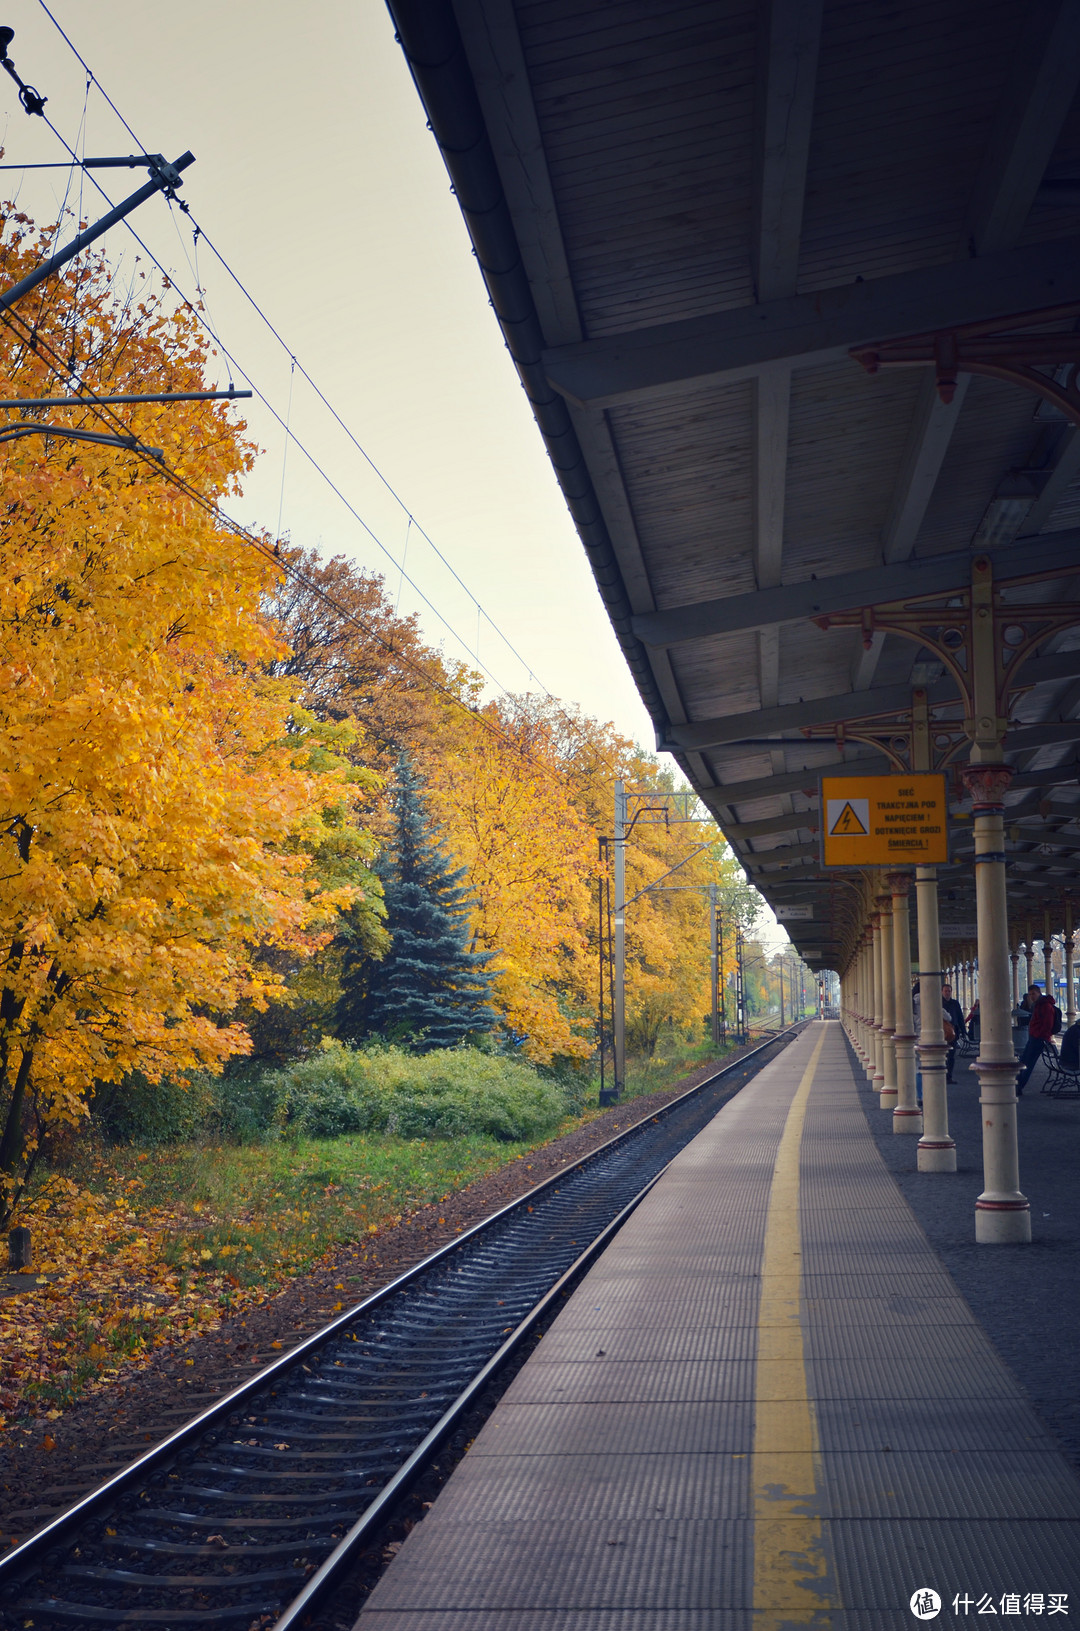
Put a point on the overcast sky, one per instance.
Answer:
(317, 179)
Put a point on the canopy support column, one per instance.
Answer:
(888, 1006)
(877, 1038)
(907, 1117)
(937, 1151)
(1002, 1213)
(1070, 968)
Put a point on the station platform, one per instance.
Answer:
(767, 1404)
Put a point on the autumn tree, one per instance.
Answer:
(153, 809)
(430, 986)
(502, 794)
(340, 851)
(351, 657)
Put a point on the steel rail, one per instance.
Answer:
(22, 1560)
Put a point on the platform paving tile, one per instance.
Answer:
(572, 1486)
(946, 1485)
(575, 1343)
(659, 1296)
(720, 1269)
(986, 1556)
(962, 1341)
(886, 1311)
(603, 1429)
(843, 1231)
(612, 1304)
(616, 1619)
(627, 1381)
(900, 1425)
(930, 1376)
(584, 1564)
(834, 1284)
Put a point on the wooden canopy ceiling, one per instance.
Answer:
(690, 214)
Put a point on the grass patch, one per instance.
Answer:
(677, 1055)
(264, 1213)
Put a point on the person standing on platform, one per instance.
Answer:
(946, 1022)
(1040, 1030)
(956, 1019)
(1022, 1016)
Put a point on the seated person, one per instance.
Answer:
(1040, 1030)
(956, 1020)
(1070, 1048)
(972, 1022)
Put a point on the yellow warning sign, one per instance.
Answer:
(884, 820)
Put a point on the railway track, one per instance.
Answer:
(251, 1513)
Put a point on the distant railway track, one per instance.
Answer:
(253, 1511)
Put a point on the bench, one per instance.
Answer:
(1058, 1083)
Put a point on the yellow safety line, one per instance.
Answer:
(791, 1577)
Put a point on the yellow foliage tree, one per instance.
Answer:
(503, 798)
(149, 791)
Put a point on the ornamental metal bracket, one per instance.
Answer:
(910, 738)
(1003, 348)
(982, 639)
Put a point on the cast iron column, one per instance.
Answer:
(1070, 968)
(1002, 1213)
(888, 1006)
(937, 1152)
(907, 1117)
(877, 1040)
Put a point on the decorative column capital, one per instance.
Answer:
(884, 904)
(987, 785)
(899, 883)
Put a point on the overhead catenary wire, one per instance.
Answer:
(171, 281)
(298, 367)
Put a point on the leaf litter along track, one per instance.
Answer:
(226, 1523)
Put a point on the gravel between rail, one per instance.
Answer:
(102, 1433)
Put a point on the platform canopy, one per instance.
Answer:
(794, 290)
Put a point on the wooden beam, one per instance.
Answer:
(739, 832)
(1059, 481)
(788, 47)
(772, 412)
(928, 442)
(807, 330)
(781, 856)
(792, 602)
(730, 794)
(789, 42)
(883, 699)
(1042, 83)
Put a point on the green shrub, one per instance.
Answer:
(136, 1111)
(448, 1093)
(246, 1103)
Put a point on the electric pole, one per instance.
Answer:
(619, 981)
(714, 966)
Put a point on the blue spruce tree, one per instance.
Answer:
(429, 986)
